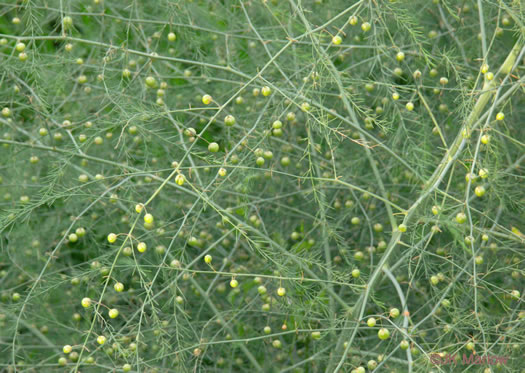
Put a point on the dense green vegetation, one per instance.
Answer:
(262, 185)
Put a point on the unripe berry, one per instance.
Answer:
(67, 22)
(479, 191)
(213, 147)
(229, 120)
(20, 47)
(394, 312)
(86, 302)
(207, 99)
(151, 82)
(383, 334)
(148, 218)
(262, 290)
(112, 237)
(337, 40)
(180, 179)
(266, 91)
(461, 217)
(141, 247)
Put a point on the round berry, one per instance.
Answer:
(141, 247)
(20, 47)
(86, 302)
(67, 22)
(113, 313)
(461, 217)
(266, 91)
(151, 82)
(180, 179)
(207, 99)
(262, 290)
(394, 312)
(305, 106)
(229, 120)
(213, 147)
(148, 218)
(479, 191)
(112, 237)
(383, 334)
(483, 173)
